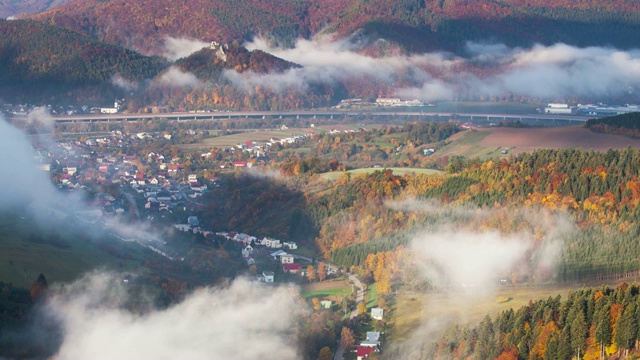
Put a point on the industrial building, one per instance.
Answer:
(558, 109)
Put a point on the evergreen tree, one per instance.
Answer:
(38, 288)
(578, 334)
(626, 329)
(603, 326)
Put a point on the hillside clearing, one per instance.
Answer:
(334, 175)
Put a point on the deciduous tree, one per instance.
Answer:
(322, 272)
(325, 354)
(346, 338)
(311, 273)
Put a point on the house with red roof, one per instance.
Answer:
(292, 268)
(363, 352)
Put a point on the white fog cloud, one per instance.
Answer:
(325, 60)
(174, 77)
(22, 181)
(549, 72)
(466, 259)
(242, 321)
(123, 83)
(176, 48)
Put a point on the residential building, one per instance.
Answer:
(268, 276)
(286, 259)
(377, 313)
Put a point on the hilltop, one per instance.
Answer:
(35, 56)
(207, 63)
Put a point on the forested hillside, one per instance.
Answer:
(36, 56)
(626, 124)
(600, 191)
(417, 25)
(13, 7)
(206, 65)
(590, 324)
(222, 83)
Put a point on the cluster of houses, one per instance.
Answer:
(260, 151)
(368, 346)
(248, 250)
(265, 241)
(25, 109)
(395, 102)
(162, 181)
(372, 342)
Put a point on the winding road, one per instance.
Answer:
(359, 298)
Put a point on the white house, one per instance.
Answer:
(377, 313)
(372, 340)
(275, 255)
(193, 221)
(181, 227)
(286, 259)
(268, 276)
(290, 245)
(271, 243)
(241, 238)
(113, 110)
(247, 251)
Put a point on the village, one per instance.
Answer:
(138, 178)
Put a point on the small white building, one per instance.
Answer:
(268, 276)
(558, 109)
(247, 251)
(286, 259)
(276, 254)
(193, 221)
(271, 243)
(113, 110)
(377, 313)
(290, 245)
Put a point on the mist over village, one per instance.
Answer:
(319, 179)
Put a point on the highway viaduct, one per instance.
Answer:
(548, 119)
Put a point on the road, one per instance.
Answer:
(307, 114)
(359, 298)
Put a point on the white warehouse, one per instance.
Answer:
(558, 109)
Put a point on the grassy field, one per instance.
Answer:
(22, 260)
(372, 296)
(327, 289)
(334, 175)
(413, 310)
(304, 251)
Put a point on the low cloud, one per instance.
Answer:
(176, 48)
(487, 70)
(243, 320)
(469, 253)
(40, 119)
(326, 60)
(123, 83)
(174, 77)
(466, 259)
(24, 182)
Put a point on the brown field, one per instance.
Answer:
(524, 140)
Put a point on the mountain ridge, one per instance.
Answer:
(445, 25)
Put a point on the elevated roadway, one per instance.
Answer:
(356, 115)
